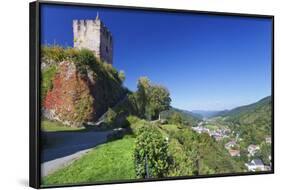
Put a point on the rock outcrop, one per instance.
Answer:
(77, 97)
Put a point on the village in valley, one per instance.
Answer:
(231, 142)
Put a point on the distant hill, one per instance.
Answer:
(262, 106)
(252, 121)
(187, 116)
(207, 113)
(196, 115)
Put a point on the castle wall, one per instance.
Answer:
(93, 35)
(106, 49)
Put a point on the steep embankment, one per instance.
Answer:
(76, 87)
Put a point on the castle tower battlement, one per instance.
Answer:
(93, 35)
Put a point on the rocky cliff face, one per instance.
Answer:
(76, 98)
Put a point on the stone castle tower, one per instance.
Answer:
(93, 35)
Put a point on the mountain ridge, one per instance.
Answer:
(245, 108)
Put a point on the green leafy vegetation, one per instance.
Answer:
(265, 153)
(151, 99)
(251, 122)
(53, 54)
(207, 156)
(151, 153)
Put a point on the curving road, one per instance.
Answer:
(69, 146)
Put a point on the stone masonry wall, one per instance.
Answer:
(93, 35)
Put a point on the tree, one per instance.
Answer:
(158, 100)
(141, 94)
(152, 99)
(265, 153)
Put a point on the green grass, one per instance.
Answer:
(52, 126)
(107, 162)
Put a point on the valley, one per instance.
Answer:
(94, 129)
(245, 133)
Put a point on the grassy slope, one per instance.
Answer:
(111, 161)
(52, 126)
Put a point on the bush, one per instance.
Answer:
(84, 59)
(111, 116)
(53, 53)
(151, 153)
(181, 163)
(136, 123)
(176, 118)
(71, 53)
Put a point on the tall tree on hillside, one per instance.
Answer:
(152, 99)
(158, 100)
(141, 94)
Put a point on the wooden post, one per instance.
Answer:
(146, 168)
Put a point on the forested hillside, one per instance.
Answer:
(188, 118)
(252, 122)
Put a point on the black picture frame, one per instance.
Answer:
(34, 90)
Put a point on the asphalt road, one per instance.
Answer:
(70, 146)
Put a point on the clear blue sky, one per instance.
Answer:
(206, 62)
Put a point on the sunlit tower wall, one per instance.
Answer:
(93, 35)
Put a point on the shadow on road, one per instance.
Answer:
(60, 144)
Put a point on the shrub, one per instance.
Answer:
(136, 123)
(151, 153)
(71, 53)
(176, 118)
(181, 163)
(111, 116)
(53, 53)
(121, 76)
(85, 57)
